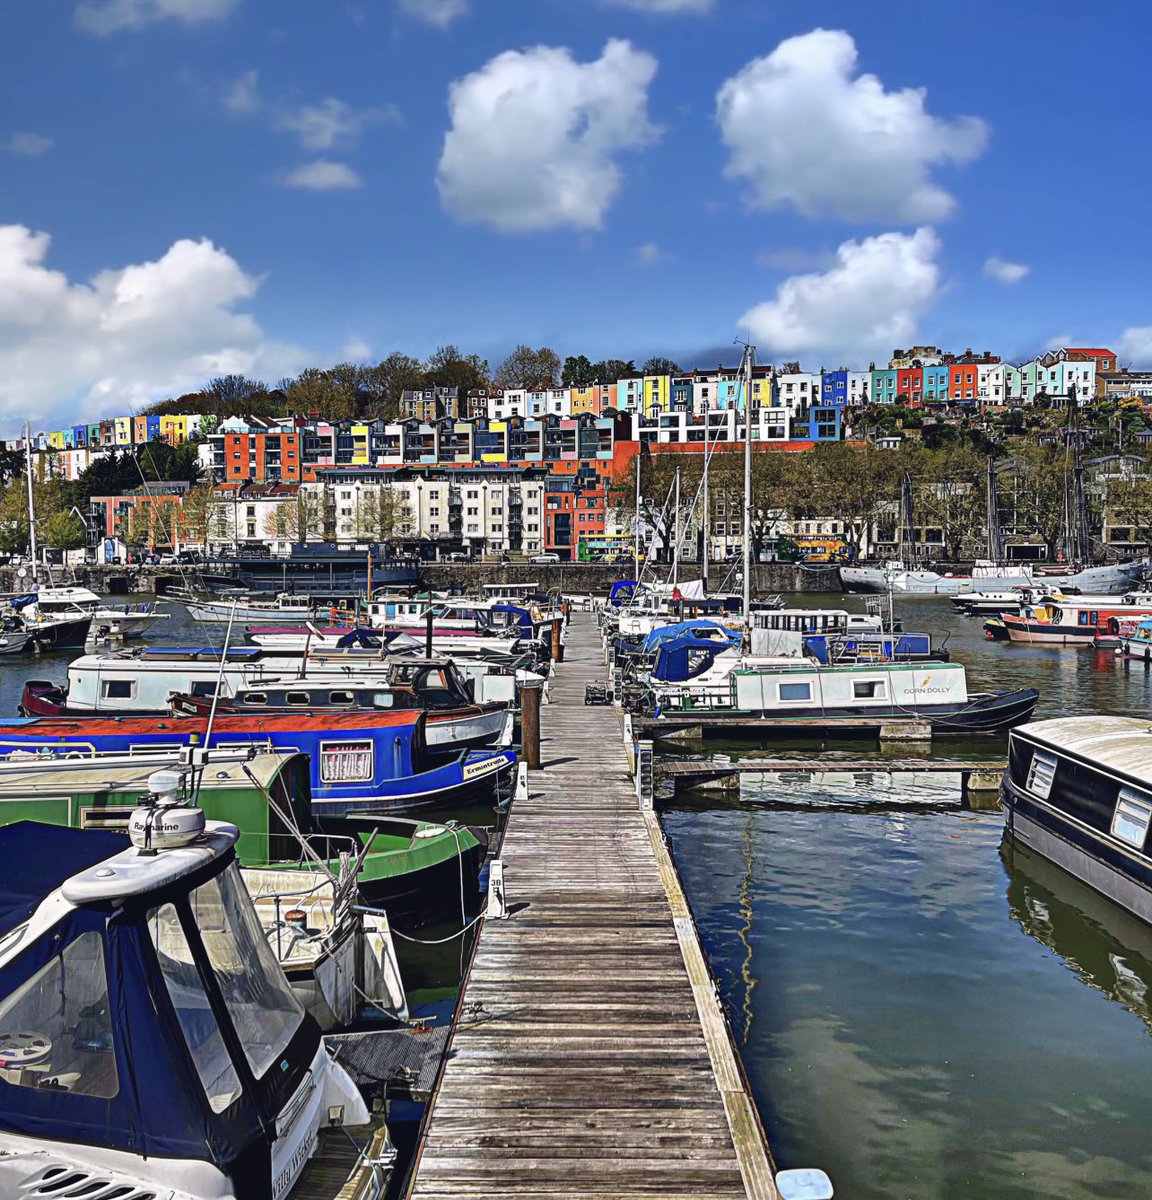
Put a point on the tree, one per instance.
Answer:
(447, 367)
(309, 515)
(528, 368)
(382, 514)
(661, 366)
(316, 391)
(197, 510)
(386, 382)
(579, 372)
(612, 370)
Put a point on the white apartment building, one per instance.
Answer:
(799, 391)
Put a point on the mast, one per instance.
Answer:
(993, 513)
(907, 542)
(636, 523)
(704, 506)
(749, 357)
(31, 499)
(1083, 550)
(676, 534)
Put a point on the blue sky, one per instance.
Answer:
(193, 186)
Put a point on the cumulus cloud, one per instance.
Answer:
(664, 6)
(127, 336)
(535, 137)
(332, 122)
(804, 130)
(1005, 272)
(866, 303)
(440, 13)
(28, 145)
(323, 175)
(102, 17)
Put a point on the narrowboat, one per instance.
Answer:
(1078, 620)
(372, 762)
(834, 636)
(150, 1043)
(1078, 791)
(413, 869)
(687, 677)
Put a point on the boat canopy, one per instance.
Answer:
(158, 1024)
(707, 630)
(623, 592)
(682, 658)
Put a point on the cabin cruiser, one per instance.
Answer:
(1138, 644)
(248, 607)
(315, 639)
(689, 677)
(50, 631)
(1078, 620)
(896, 577)
(359, 762)
(150, 1044)
(1078, 791)
(74, 601)
(993, 603)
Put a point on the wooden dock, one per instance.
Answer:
(592, 1058)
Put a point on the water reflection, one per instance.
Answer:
(1101, 943)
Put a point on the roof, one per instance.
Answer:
(251, 725)
(1119, 744)
(39, 858)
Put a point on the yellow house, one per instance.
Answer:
(174, 429)
(495, 456)
(123, 428)
(657, 392)
(587, 400)
(361, 445)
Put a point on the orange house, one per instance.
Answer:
(963, 381)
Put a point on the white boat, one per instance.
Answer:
(150, 1043)
(73, 601)
(245, 608)
(894, 576)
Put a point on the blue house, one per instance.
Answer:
(834, 387)
(936, 385)
(821, 423)
(883, 385)
(80, 435)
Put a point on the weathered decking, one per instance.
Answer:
(593, 1060)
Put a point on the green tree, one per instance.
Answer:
(528, 368)
(661, 366)
(579, 372)
(447, 367)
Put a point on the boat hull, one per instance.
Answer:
(69, 634)
(1073, 846)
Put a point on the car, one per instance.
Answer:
(458, 556)
(167, 560)
(549, 556)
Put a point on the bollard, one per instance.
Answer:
(521, 781)
(557, 642)
(530, 725)
(497, 901)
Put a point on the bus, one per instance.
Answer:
(606, 547)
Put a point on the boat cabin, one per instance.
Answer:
(150, 1043)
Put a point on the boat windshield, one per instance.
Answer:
(259, 999)
(56, 1029)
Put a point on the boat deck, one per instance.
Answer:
(592, 1058)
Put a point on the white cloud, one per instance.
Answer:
(110, 16)
(332, 122)
(28, 145)
(664, 6)
(650, 255)
(868, 302)
(535, 137)
(322, 175)
(242, 96)
(440, 13)
(804, 130)
(355, 349)
(127, 336)
(1004, 272)
(1133, 347)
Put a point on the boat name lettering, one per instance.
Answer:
(474, 770)
(288, 1176)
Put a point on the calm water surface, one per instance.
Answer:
(922, 1011)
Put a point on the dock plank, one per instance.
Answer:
(593, 1058)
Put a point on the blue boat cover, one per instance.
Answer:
(622, 592)
(672, 634)
(684, 657)
(368, 638)
(205, 651)
(39, 858)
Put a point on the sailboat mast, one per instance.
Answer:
(31, 499)
(636, 523)
(676, 532)
(993, 513)
(704, 522)
(749, 354)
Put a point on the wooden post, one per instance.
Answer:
(557, 643)
(428, 631)
(530, 725)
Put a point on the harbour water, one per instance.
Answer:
(924, 1012)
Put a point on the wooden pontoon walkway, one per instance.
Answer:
(592, 1059)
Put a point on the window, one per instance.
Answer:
(1041, 773)
(341, 698)
(193, 1011)
(869, 689)
(254, 697)
(346, 761)
(55, 1029)
(300, 699)
(1132, 818)
(118, 689)
(795, 691)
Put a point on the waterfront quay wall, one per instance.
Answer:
(572, 578)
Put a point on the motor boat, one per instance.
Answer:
(1056, 620)
(150, 1043)
(248, 608)
(896, 577)
(122, 620)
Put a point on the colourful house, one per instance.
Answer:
(174, 429)
(657, 393)
(936, 384)
(123, 428)
(963, 383)
(883, 389)
(910, 383)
